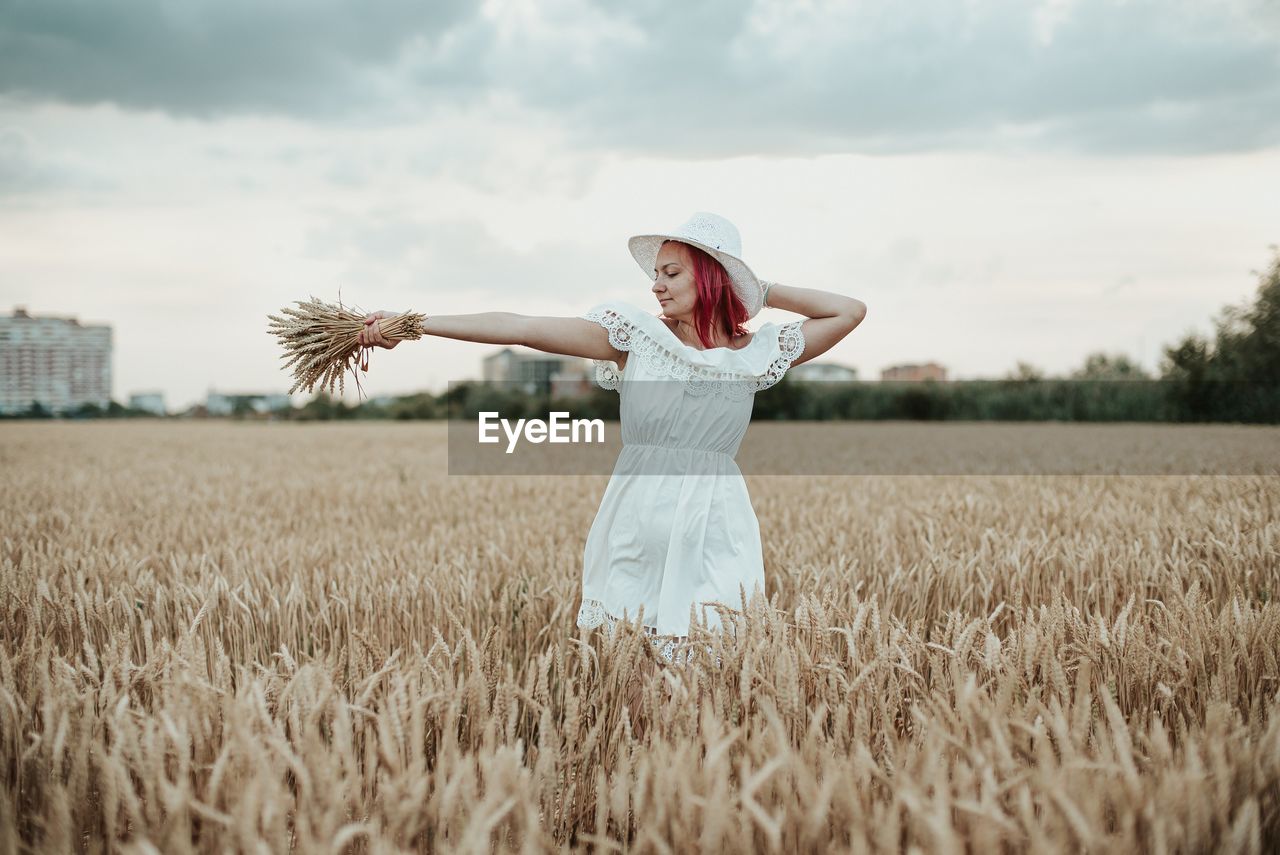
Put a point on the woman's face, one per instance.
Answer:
(674, 286)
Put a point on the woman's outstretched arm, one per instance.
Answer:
(568, 336)
(831, 316)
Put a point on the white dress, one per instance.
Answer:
(675, 529)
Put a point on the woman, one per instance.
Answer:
(667, 542)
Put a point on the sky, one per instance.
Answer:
(998, 181)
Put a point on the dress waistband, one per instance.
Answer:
(627, 445)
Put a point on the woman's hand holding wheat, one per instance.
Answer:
(322, 341)
(371, 335)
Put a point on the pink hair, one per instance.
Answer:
(717, 304)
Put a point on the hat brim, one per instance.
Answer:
(644, 249)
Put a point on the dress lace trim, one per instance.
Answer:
(664, 359)
(592, 613)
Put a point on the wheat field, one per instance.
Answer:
(283, 637)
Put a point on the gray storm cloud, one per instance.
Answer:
(707, 79)
(313, 59)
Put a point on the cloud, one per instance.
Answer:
(321, 58)
(405, 254)
(25, 171)
(882, 77)
(710, 79)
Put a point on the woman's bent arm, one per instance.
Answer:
(813, 303)
(831, 316)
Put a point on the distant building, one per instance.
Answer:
(572, 382)
(927, 371)
(225, 404)
(149, 402)
(807, 372)
(56, 362)
(535, 371)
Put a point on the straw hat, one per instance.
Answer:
(719, 238)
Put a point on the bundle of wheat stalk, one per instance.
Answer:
(322, 341)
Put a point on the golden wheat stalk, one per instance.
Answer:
(322, 341)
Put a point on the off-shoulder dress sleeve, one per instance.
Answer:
(790, 345)
(742, 372)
